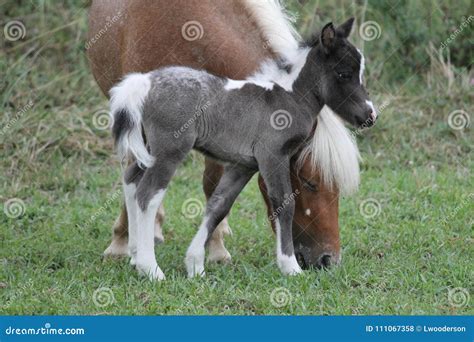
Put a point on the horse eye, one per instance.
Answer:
(344, 75)
(308, 185)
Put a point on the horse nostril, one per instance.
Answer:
(301, 261)
(325, 261)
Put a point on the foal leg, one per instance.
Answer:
(149, 196)
(132, 178)
(218, 206)
(119, 245)
(276, 175)
(217, 251)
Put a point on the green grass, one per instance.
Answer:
(405, 260)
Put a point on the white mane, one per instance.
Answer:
(275, 25)
(333, 149)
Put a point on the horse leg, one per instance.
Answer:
(118, 245)
(217, 251)
(230, 185)
(276, 174)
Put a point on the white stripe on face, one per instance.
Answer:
(371, 105)
(362, 65)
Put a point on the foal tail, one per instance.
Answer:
(126, 105)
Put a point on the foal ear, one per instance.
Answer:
(327, 38)
(346, 28)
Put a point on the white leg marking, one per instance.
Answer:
(287, 264)
(132, 208)
(217, 250)
(196, 251)
(146, 260)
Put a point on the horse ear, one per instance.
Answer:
(328, 36)
(346, 28)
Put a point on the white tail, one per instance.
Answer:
(126, 104)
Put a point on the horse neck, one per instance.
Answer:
(307, 88)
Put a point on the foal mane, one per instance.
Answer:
(333, 149)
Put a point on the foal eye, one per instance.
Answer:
(344, 75)
(308, 185)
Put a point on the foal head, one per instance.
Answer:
(340, 67)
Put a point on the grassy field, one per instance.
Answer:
(59, 183)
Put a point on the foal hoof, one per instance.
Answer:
(195, 266)
(133, 260)
(289, 265)
(154, 273)
(198, 273)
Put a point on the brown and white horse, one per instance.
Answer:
(230, 39)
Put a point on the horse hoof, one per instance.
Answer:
(219, 256)
(116, 250)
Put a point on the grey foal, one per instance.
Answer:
(254, 125)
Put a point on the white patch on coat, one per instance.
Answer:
(146, 260)
(129, 95)
(288, 264)
(333, 151)
(307, 212)
(196, 251)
